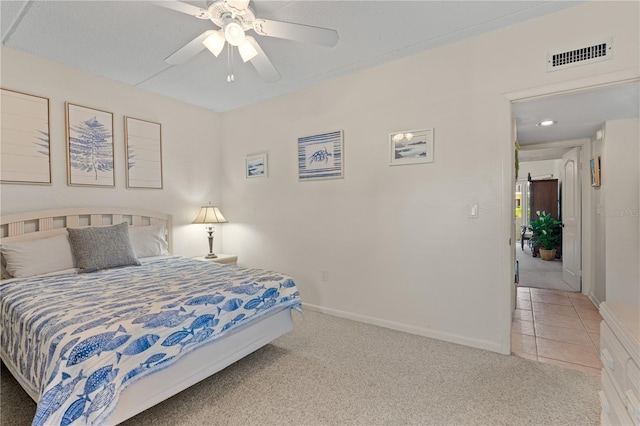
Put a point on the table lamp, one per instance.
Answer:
(210, 215)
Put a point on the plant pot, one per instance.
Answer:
(547, 254)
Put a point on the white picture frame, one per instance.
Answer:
(143, 153)
(25, 149)
(321, 156)
(256, 166)
(90, 159)
(411, 147)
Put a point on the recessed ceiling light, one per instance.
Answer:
(546, 123)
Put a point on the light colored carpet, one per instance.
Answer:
(332, 371)
(538, 273)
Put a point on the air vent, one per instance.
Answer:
(566, 58)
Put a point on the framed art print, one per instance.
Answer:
(595, 171)
(411, 147)
(256, 166)
(321, 156)
(89, 146)
(25, 150)
(143, 152)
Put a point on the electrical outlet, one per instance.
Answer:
(325, 275)
(473, 211)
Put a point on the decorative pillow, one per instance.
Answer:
(35, 257)
(148, 241)
(102, 247)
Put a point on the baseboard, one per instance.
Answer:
(594, 300)
(448, 337)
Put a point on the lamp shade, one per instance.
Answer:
(210, 214)
(234, 33)
(215, 42)
(247, 50)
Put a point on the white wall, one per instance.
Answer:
(540, 168)
(397, 242)
(190, 145)
(621, 210)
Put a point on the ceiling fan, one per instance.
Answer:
(235, 18)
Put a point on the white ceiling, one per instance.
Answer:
(578, 114)
(127, 41)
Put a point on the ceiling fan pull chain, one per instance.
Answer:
(230, 76)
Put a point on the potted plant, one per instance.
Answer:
(547, 235)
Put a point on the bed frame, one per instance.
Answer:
(191, 368)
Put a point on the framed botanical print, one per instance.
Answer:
(89, 146)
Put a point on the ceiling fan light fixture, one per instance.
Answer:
(234, 33)
(247, 50)
(215, 43)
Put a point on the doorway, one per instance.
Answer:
(545, 180)
(563, 91)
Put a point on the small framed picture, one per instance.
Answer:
(411, 147)
(321, 156)
(256, 165)
(595, 171)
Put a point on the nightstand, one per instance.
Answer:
(227, 259)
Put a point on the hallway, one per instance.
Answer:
(557, 327)
(538, 273)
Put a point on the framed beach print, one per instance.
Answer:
(321, 156)
(411, 147)
(256, 165)
(89, 146)
(595, 171)
(143, 151)
(25, 148)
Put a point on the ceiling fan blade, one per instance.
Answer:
(297, 32)
(262, 64)
(184, 8)
(189, 50)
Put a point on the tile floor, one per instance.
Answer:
(557, 327)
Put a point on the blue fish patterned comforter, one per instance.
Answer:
(79, 339)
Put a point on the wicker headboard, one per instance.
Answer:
(48, 223)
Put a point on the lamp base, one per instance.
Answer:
(210, 255)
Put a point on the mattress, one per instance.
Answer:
(78, 340)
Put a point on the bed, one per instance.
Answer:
(101, 347)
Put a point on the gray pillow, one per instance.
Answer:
(102, 247)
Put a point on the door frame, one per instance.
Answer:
(507, 253)
(585, 184)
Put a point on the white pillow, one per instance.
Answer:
(148, 241)
(35, 257)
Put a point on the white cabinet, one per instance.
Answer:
(620, 354)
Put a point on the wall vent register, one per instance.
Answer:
(582, 55)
